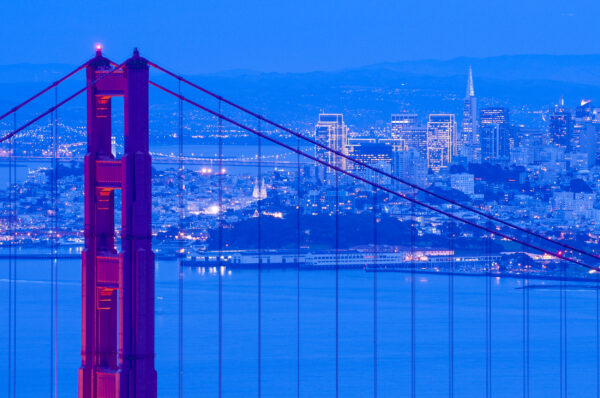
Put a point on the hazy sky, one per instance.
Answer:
(299, 35)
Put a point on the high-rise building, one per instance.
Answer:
(378, 155)
(490, 143)
(560, 127)
(402, 122)
(332, 132)
(441, 141)
(416, 138)
(411, 166)
(468, 141)
(495, 133)
(584, 133)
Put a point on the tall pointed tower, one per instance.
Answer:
(468, 141)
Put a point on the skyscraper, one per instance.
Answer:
(376, 154)
(441, 141)
(468, 142)
(495, 133)
(332, 132)
(402, 122)
(584, 133)
(560, 126)
(406, 129)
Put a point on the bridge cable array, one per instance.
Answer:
(368, 166)
(356, 177)
(337, 153)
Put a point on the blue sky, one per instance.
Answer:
(292, 36)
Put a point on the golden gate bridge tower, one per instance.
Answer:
(117, 339)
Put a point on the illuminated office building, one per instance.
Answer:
(560, 126)
(467, 144)
(332, 132)
(441, 141)
(495, 133)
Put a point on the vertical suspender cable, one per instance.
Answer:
(488, 329)
(451, 314)
(561, 327)
(298, 237)
(565, 317)
(525, 296)
(180, 242)
(522, 266)
(56, 247)
(14, 258)
(488, 316)
(597, 335)
(53, 257)
(413, 375)
(10, 265)
(375, 265)
(220, 276)
(337, 284)
(259, 273)
(52, 243)
(527, 334)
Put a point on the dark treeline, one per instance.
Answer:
(319, 232)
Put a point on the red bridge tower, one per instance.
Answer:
(117, 330)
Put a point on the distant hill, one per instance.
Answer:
(33, 73)
(583, 69)
(368, 95)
